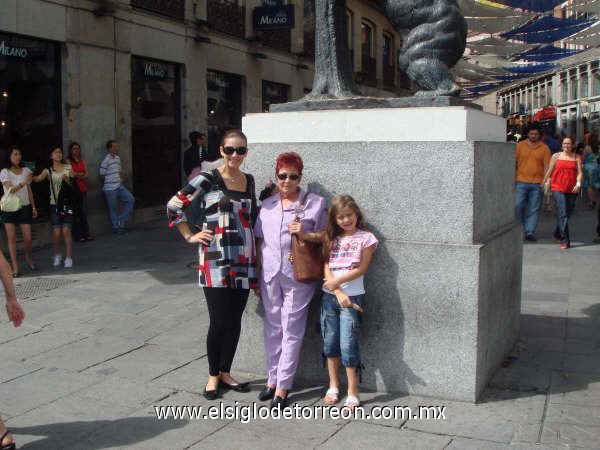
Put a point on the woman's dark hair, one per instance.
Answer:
(332, 231)
(70, 152)
(7, 163)
(52, 150)
(233, 133)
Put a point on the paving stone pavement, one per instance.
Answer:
(123, 332)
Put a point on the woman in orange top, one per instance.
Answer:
(565, 176)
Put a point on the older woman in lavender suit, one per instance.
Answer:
(285, 300)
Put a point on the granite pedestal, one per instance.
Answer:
(436, 186)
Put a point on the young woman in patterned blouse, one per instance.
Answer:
(227, 255)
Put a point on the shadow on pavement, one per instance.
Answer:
(123, 432)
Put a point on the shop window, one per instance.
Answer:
(169, 8)
(309, 27)
(585, 85)
(30, 107)
(564, 93)
(369, 64)
(224, 106)
(155, 130)
(273, 93)
(367, 35)
(596, 81)
(389, 66)
(574, 91)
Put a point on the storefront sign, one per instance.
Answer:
(274, 17)
(154, 70)
(17, 52)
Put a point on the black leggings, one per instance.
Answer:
(225, 309)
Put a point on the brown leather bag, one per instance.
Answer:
(306, 257)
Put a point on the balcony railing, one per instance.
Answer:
(225, 17)
(169, 8)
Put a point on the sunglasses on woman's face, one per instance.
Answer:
(238, 150)
(292, 176)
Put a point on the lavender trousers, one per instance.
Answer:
(285, 303)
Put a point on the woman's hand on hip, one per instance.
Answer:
(257, 291)
(204, 237)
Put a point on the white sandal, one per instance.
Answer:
(351, 402)
(334, 393)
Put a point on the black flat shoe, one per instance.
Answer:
(240, 387)
(211, 395)
(279, 402)
(266, 394)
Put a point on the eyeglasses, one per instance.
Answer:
(292, 176)
(238, 150)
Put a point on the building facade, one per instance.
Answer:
(572, 94)
(147, 72)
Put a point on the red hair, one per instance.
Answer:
(289, 159)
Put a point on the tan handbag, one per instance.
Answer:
(306, 257)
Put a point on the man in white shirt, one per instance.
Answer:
(115, 192)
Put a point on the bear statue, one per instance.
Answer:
(435, 35)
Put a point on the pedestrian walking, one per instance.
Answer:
(532, 158)
(591, 175)
(565, 176)
(16, 181)
(62, 207)
(16, 316)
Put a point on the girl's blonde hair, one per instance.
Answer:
(332, 231)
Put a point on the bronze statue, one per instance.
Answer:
(435, 38)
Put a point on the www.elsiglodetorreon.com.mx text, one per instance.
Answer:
(248, 413)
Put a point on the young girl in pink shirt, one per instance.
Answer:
(349, 249)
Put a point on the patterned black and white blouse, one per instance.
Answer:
(230, 259)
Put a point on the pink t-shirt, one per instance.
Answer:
(345, 255)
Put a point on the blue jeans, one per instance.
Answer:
(340, 328)
(528, 202)
(564, 204)
(113, 197)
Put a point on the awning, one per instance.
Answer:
(493, 25)
(547, 113)
(547, 29)
(498, 46)
(530, 68)
(532, 5)
(488, 61)
(546, 53)
(471, 8)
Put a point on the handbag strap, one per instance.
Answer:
(301, 206)
(52, 187)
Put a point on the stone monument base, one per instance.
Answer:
(436, 186)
